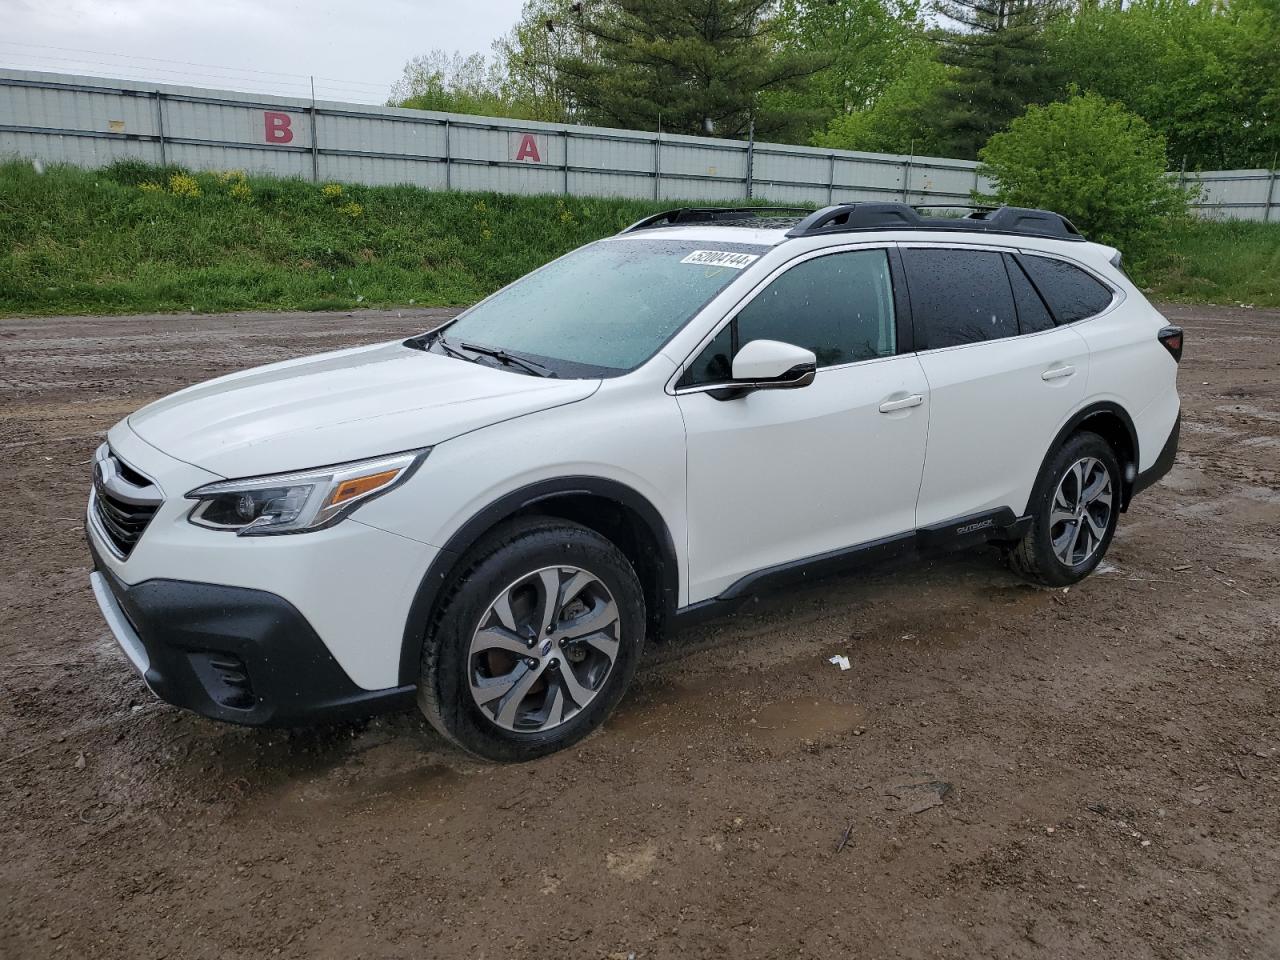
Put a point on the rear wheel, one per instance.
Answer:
(536, 642)
(1074, 510)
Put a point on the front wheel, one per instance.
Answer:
(537, 640)
(1074, 510)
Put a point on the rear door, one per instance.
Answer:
(1002, 378)
(1127, 367)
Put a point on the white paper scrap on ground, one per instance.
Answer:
(840, 661)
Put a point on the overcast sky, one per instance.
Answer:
(355, 48)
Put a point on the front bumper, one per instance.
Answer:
(353, 583)
(231, 653)
(307, 626)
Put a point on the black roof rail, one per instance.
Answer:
(955, 206)
(683, 216)
(856, 217)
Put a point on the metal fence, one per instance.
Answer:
(90, 121)
(1236, 194)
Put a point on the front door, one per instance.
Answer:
(778, 476)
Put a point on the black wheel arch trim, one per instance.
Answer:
(507, 506)
(1104, 408)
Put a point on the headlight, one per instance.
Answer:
(298, 502)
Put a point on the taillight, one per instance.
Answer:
(1171, 339)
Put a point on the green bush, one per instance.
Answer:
(1095, 163)
(134, 173)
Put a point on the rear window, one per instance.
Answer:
(959, 296)
(1072, 294)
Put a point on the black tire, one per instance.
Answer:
(1034, 557)
(501, 558)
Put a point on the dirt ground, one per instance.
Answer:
(1112, 751)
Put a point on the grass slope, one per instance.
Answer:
(132, 238)
(1228, 261)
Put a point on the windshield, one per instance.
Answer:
(606, 308)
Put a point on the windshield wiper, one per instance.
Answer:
(508, 359)
(425, 341)
(450, 349)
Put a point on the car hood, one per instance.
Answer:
(340, 406)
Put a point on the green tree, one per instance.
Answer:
(1094, 162)
(865, 45)
(453, 83)
(1205, 74)
(996, 50)
(702, 65)
(520, 80)
(529, 55)
(898, 121)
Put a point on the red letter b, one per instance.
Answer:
(277, 127)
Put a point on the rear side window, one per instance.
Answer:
(1070, 292)
(1033, 316)
(959, 296)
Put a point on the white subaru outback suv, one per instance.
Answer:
(495, 516)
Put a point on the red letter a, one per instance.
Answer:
(528, 149)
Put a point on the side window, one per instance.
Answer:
(840, 306)
(958, 296)
(1033, 315)
(714, 364)
(1070, 292)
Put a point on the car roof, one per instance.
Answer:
(754, 236)
(773, 238)
(1008, 227)
(773, 225)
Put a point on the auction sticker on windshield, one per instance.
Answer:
(721, 258)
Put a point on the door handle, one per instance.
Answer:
(906, 402)
(1058, 372)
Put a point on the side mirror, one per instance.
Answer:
(773, 365)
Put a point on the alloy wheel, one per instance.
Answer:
(1081, 511)
(543, 649)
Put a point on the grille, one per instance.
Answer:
(124, 501)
